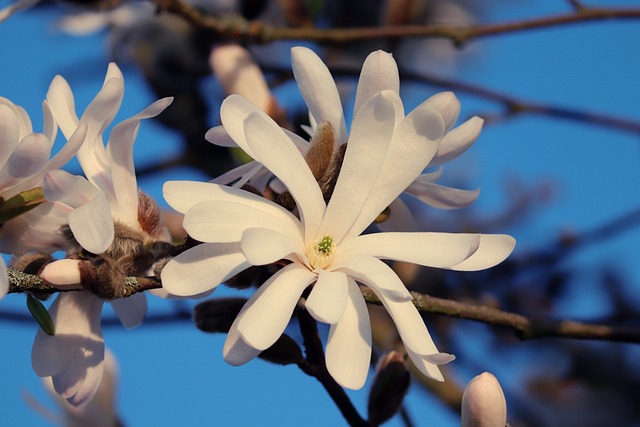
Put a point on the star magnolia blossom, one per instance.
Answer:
(74, 356)
(379, 73)
(325, 248)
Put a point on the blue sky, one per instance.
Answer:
(175, 375)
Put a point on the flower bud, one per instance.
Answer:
(388, 389)
(483, 403)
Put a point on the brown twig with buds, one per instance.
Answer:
(235, 27)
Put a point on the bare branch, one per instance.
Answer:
(524, 327)
(236, 27)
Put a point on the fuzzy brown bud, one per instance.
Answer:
(217, 315)
(388, 389)
(103, 277)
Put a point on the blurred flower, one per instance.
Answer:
(4, 280)
(483, 403)
(379, 73)
(109, 224)
(324, 248)
(101, 411)
(17, 6)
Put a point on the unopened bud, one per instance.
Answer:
(483, 403)
(389, 388)
(217, 315)
(285, 351)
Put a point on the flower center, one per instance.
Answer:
(321, 252)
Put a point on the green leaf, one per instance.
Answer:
(20, 203)
(40, 313)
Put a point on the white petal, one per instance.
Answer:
(319, 90)
(379, 72)
(400, 218)
(35, 230)
(493, 249)
(456, 141)
(131, 310)
(374, 273)
(183, 195)
(74, 315)
(62, 105)
(92, 224)
(483, 403)
(63, 274)
(262, 246)
(29, 156)
(202, 268)
(447, 105)
(328, 299)
(72, 190)
(240, 175)
(442, 197)
(4, 280)
(236, 352)
(349, 344)
(219, 136)
(415, 141)
(269, 310)
(278, 154)
(366, 151)
(49, 125)
(411, 327)
(225, 220)
(233, 112)
(120, 151)
(440, 250)
(69, 149)
(9, 132)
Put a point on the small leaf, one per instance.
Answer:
(20, 203)
(40, 313)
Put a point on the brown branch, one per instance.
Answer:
(235, 27)
(524, 327)
(20, 282)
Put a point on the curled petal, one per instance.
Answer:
(440, 250)
(9, 132)
(62, 104)
(268, 311)
(130, 310)
(458, 140)
(202, 268)
(493, 249)
(219, 136)
(349, 343)
(447, 104)
(92, 224)
(374, 273)
(236, 351)
(442, 197)
(328, 299)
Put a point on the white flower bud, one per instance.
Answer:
(483, 403)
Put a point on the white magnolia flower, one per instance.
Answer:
(324, 246)
(24, 161)
(73, 357)
(483, 403)
(379, 73)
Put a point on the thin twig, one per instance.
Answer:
(316, 367)
(525, 327)
(236, 27)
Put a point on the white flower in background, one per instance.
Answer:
(24, 161)
(16, 6)
(483, 403)
(379, 73)
(325, 248)
(105, 209)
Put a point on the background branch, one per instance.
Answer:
(235, 27)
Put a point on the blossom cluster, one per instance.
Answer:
(323, 215)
